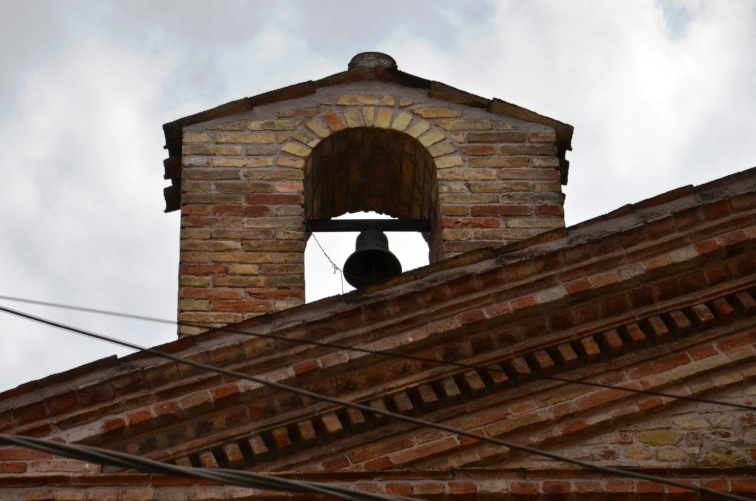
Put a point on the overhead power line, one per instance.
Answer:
(226, 476)
(383, 412)
(388, 354)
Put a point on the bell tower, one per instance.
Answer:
(253, 177)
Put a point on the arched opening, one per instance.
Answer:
(321, 280)
(374, 171)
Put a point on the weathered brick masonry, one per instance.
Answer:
(536, 341)
(250, 179)
(665, 301)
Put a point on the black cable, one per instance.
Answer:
(222, 475)
(389, 354)
(335, 267)
(368, 409)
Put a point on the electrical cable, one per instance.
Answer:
(226, 476)
(387, 413)
(335, 267)
(387, 354)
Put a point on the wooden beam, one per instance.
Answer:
(364, 224)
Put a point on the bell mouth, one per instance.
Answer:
(371, 262)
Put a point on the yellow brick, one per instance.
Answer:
(297, 149)
(286, 161)
(196, 137)
(247, 138)
(465, 124)
(222, 318)
(196, 187)
(305, 138)
(354, 117)
(284, 124)
(242, 162)
(544, 162)
(244, 269)
(404, 102)
(432, 137)
(236, 125)
(368, 113)
(194, 305)
(318, 128)
(467, 175)
(211, 149)
(437, 112)
(419, 128)
(449, 161)
(361, 100)
(440, 149)
(299, 112)
(401, 121)
(383, 118)
(192, 281)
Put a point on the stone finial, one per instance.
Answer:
(371, 59)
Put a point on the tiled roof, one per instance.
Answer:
(656, 296)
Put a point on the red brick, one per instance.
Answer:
(718, 273)
(168, 481)
(274, 199)
(600, 397)
(29, 413)
(743, 201)
(470, 317)
(688, 218)
(201, 270)
(197, 209)
(716, 210)
(661, 227)
(22, 454)
(242, 306)
(525, 488)
(12, 467)
(210, 293)
(523, 303)
(478, 149)
(459, 488)
(138, 417)
(707, 246)
(334, 122)
(500, 210)
(646, 487)
(549, 210)
(378, 464)
(735, 341)
(498, 137)
(743, 486)
(659, 365)
(305, 367)
(556, 487)
(423, 451)
(399, 489)
(63, 403)
(615, 305)
(224, 391)
(650, 403)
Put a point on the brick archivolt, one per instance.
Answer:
(249, 182)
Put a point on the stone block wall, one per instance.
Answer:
(250, 181)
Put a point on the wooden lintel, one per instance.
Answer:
(364, 224)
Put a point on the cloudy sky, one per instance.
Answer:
(662, 93)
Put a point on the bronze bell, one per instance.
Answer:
(372, 261)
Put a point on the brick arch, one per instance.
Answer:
(370, 169)
(372, 158)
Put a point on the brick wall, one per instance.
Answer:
(249, 182)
